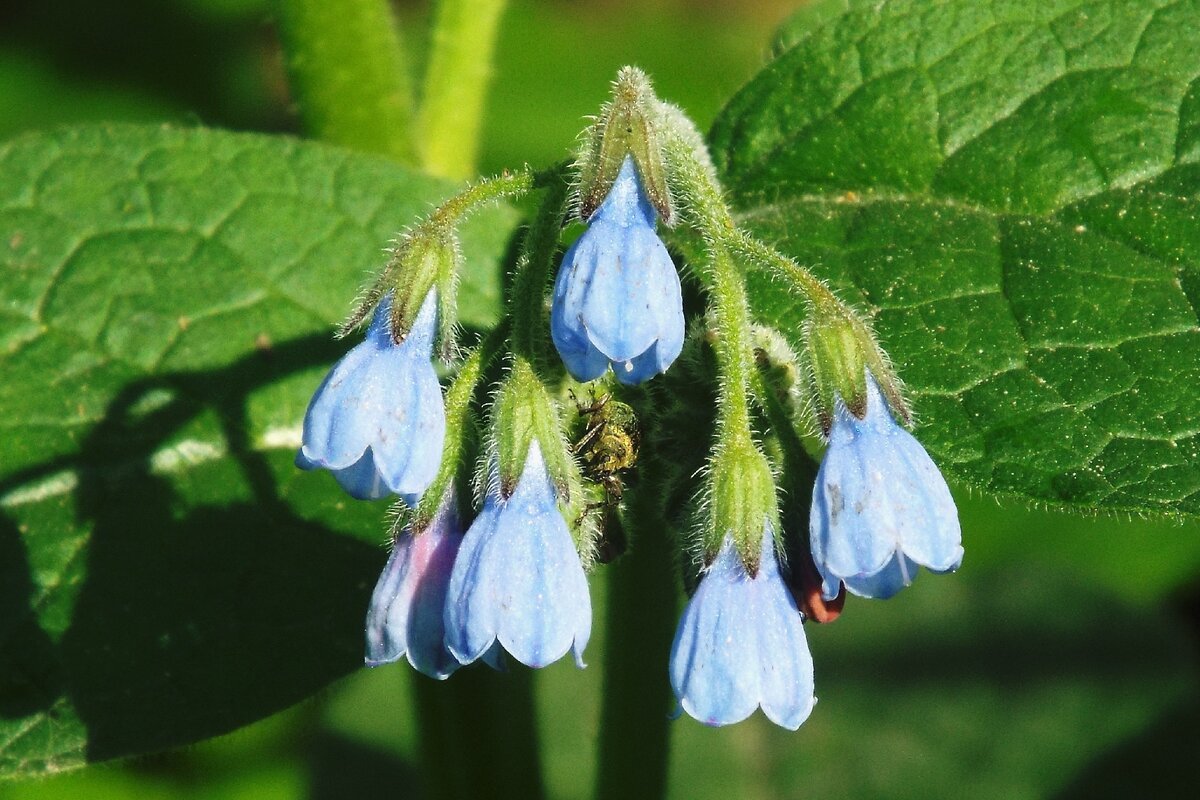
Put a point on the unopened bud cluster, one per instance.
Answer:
(506, 573)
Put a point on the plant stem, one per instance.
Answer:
(456, 80)
(643, 604)
(733, 345)
(458, 402)
(348, 74)
(478, 735)
(504, 186)
(527, 300)
(710, 215)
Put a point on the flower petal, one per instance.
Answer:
(380, 410)
(740, 644)
(518, 579)
(405, 617)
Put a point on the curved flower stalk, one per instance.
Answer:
(405, 618)
(617, 298)
(881, 509)
(740, 645)
(377, 421)
(518, 580)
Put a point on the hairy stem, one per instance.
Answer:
(709, 214)
(527, 299)
(458, 403)
(456, 81)
(348, 74)
(486, 190)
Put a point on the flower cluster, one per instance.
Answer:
(470, 582)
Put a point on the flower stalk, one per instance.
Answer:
(456, 79)
(349, 74)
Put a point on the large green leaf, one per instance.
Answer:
(166, 574)
(1012, 192)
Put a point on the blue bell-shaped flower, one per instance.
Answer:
(880, 509)
(377, 422)
(740, 645)
(405, 618)
(518, 580)
(617, 298)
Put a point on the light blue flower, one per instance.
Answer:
(518, 580)
(405, 618)
(377, 421)
(617, 298)
(881, 509)
(740, 645)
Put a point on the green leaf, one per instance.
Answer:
(169, 298)
(1012, 193)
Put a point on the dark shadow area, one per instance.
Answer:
(340, 768)
(193, 619)
(30, 678)
(479, 740)
(162, 46)
(1163, 762)
(1011, 630)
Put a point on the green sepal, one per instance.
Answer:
(429, 257)
(841, 350)
(627, 125)
(741, 499)
(423, 258)
(522, 412)
(447, 286)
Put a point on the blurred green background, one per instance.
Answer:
(1060, 662)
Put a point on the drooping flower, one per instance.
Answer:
(617, 297)
(740, 645)
(377, 421)
(405, 618)
(881, 509)
(518, 579)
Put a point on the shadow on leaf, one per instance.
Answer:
(207, 602)
(29, 667)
